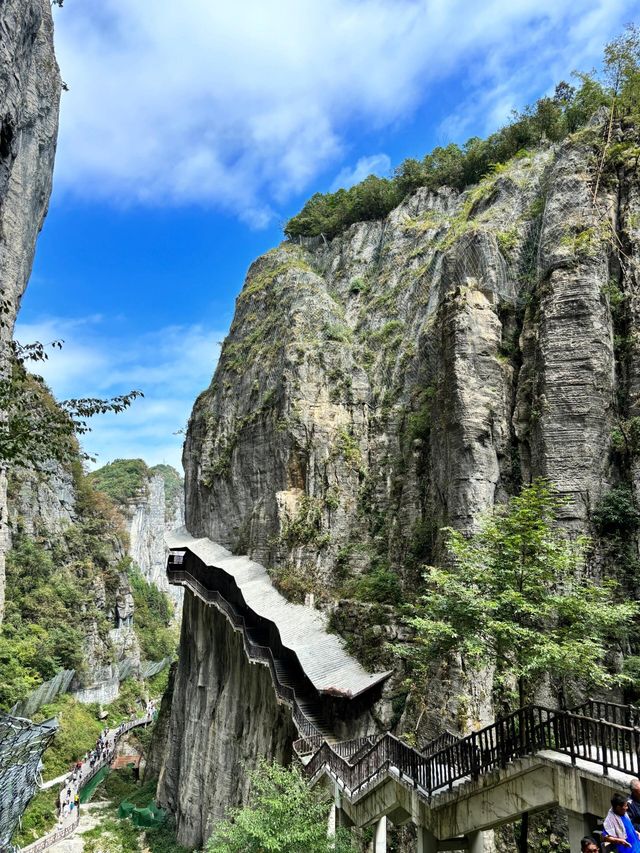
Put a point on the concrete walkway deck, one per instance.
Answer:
(303, 630)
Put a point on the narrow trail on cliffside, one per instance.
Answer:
(78, 779)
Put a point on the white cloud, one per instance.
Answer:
(376, 164)
(170, 365)
(240, 105)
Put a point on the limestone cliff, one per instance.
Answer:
(404, 376)
(225, 716)
(29, 93)
(152, 502)
(55, 515)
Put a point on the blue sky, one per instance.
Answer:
(190, 134)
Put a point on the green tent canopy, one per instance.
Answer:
(125, 808)
(150, 817)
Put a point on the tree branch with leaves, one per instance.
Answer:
(516, 596)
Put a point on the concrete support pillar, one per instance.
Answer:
(578, 828)
(380, 837)
(476, 842)
(331, 823)
(427, 842)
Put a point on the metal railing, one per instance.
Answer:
(445, 739)
(612, 741)
(67, 830)
(524, 732)
(54, 837)
(623, 715)
(255, 652)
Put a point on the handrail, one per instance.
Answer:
(626, 715)
(254, 651)
(448, 759)
(64, 832)
(50, 840)
(447, 738)
(524, 732)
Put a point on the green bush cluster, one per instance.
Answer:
(50, 600)
(305, 526)
(380, 585)
(121, 479)
(616, 514)
(550, 119)
(125, 479)
(283, 816)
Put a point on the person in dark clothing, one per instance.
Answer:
(634, 804)
(588, 845)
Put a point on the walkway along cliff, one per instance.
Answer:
(453, 790)
(307, 684)
(401, 377)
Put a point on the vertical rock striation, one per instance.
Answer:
(29, 97)
(149, 519)
(404, 376)
(224, 717)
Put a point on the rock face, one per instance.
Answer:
(149, 519)
(30, 94)
(224, 716)
(152, 502)
(416, 369)
(405, 376)
(47, 507)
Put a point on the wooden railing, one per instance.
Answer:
(623, 715)
(525, 732)
(255, 652)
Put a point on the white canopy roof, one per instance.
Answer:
(303, 630)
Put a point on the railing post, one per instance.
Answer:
(636, 749)
(602, 732)
(572, 746)
(475, 769)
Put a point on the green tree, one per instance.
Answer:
(283, 816)
(515, 595)
(35, 428)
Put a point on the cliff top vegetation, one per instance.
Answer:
(549, 120)
(124, 479)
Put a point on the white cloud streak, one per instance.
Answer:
(241, 105)
(376, 164)
(170, 365)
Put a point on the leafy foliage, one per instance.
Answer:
(616, 514)
(152, 618)
(39, 817)
(51, 597)
(515, 596)
(121, 479)
(125, 479)
(550, 119)
(35, 428)
(380, 586)
(118, 835)
(283, 816)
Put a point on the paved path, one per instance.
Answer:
(75, 780)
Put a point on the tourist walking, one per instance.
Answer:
(618, 829)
